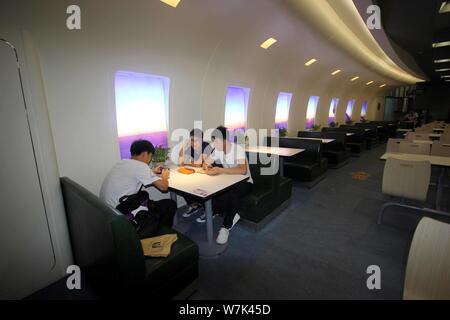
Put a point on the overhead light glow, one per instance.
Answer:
(441, 44)
(383, 85)
(355, 78)
(442, 61)
(266, 44)
(369, 83)
(445, 7)
(442, 70)
(172, 3)
(336, 72)
(310, 62)
(445, 76)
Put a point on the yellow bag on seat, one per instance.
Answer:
(158, 247)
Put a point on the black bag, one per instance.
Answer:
(145, 222)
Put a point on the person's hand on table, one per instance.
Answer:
(206, 166)
(158, 170)
(214, 171)
(165, 174)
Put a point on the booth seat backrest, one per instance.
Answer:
(354, 129)
(339, 137)
(103, 241)
(373, 127)
(357, 137)
(309, 134)
(259, 176)
(312, 153)
(339, 143)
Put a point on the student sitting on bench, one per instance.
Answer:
(233, 160)
(194, 153)
(123, 189)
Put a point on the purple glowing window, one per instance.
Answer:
(364, 111)
(142, 103)
(311, 111)
(282, 110)
(349, 110)
(333, 108)
(236, 104)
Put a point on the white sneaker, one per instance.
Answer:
(222, 238)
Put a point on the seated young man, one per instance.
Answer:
(122, 189)
(194, 153)
(233, 160)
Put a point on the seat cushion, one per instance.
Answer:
(302, 172)
(258, 204)
(355, 147)
(182, 262)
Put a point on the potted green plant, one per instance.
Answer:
(161, 156)
(316, 127)
(283, 132)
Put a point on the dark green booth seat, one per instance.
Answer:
(270, 195)
(107, 249)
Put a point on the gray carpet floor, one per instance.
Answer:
(320, 246)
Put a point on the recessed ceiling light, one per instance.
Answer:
(266, 44)
(383, 85)
(441, 44)
(172, 3)
(369, 83)
(310, 62)
(355, 78)
(442, 70)
(336, 72)
(441, 60)
(445, 7)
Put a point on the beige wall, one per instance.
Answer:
(203, 46)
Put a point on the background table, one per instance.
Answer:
(326, 141)
(280, 152)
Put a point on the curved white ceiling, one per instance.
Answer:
(341, 23)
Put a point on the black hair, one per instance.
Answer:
(139, 146)
(220, 132)
(196, 133)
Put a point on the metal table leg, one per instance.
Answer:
(209, 248)
(209, 222)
